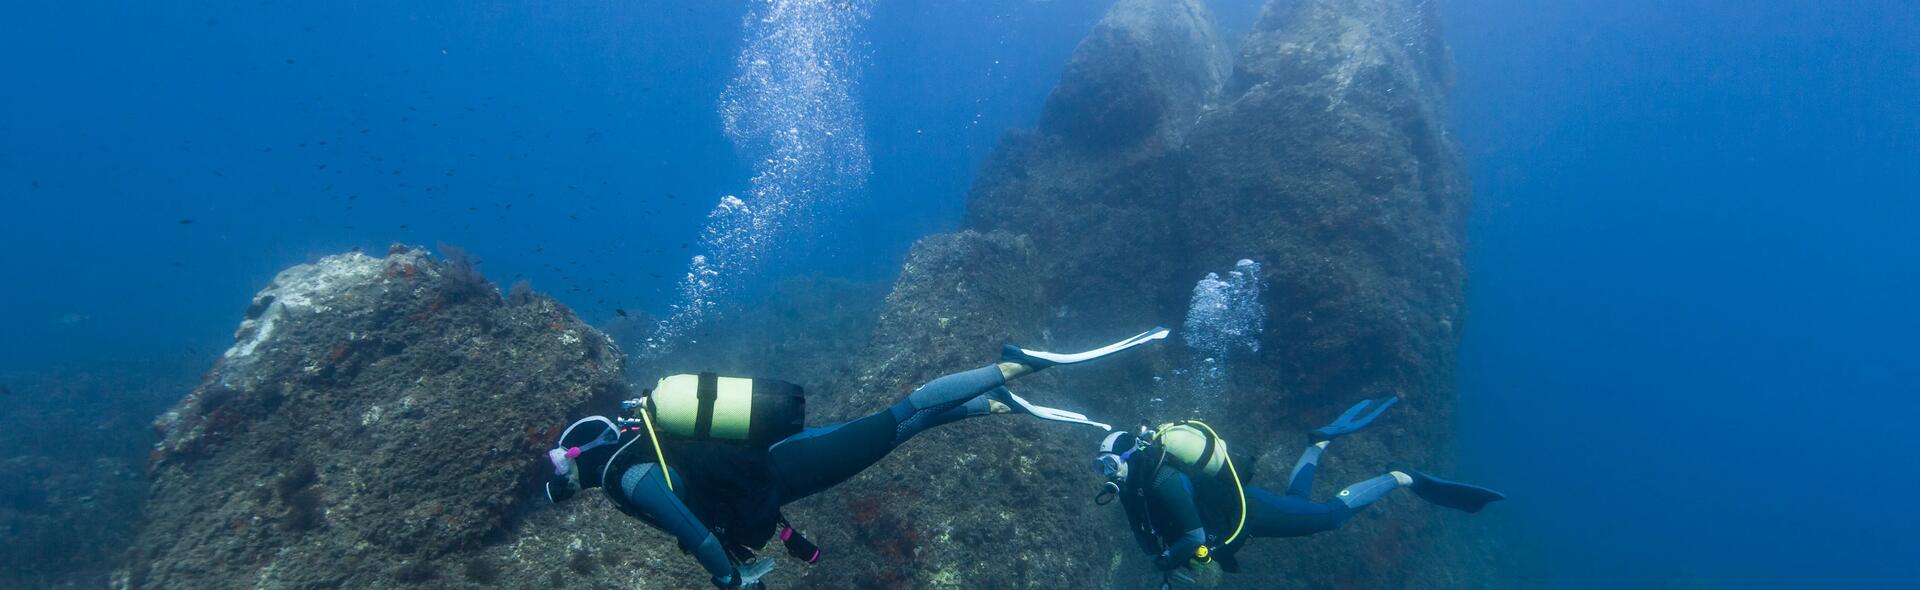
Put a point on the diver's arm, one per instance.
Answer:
(647, 490)
(1173, 498)
(1135, 507)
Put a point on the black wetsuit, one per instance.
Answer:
(1172, 514)
(725, 499)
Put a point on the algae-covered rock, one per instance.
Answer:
(1092, 187)
(990, 502)
(1323, 155)
(1140, 77)
(374, 418)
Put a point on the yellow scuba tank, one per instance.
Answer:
(1191, 449)
(706, 406)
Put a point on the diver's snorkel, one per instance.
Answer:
(1108, 491)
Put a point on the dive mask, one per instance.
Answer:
(1110, 466)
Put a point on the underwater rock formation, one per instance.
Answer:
(1090, 186)
(991, 502)
(1322, 152)
(378, 420)
(372, 423)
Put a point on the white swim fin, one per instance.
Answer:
(1041, 359)
(1002, 395)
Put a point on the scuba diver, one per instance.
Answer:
(1189, 509)
(711, 459)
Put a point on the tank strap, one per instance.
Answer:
(1206, 454)
(708, 391)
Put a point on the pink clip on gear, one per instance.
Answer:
(573, 453)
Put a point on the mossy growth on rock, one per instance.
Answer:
(384, 405)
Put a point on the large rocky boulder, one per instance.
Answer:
(1322, 153)
(1091, 187)
(374, 422)
(991, 502)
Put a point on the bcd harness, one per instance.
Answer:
(750, 413)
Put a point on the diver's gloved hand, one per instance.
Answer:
(747, 575)
(1351, 420)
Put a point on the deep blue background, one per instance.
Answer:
(1691, 339)
(292, 130)
(1691, 343)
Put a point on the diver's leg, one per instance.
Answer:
(1361, 494)
(1270, 515)
(1300, 484)
(819, 458)
(932, 404)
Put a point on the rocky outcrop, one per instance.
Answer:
(379, 420)
(1091, 186)
(1328, 161)
(1137, 81)
(373, 422)
(1322, 153)
(991, 502)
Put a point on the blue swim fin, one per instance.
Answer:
(1351, 420)
(1453, 494)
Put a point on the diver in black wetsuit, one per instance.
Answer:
(722, 501)
(1188, 509)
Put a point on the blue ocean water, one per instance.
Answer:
(1692, 264)
(1689, 345)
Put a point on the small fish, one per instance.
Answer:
(620, 312)
(186, 221)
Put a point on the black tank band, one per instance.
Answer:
(709, 390)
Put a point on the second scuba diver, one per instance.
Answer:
(1189, 509)
(712, 459)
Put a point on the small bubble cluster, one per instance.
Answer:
(1224, 319)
